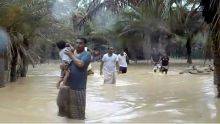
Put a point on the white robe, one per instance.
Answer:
(109, 68)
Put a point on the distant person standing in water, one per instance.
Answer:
(109, 66)
(122, 62)
(128, 55)
(155, 59)
(164, 63)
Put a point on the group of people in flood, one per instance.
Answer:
(110, 63)
(160, 61)
(75, 60)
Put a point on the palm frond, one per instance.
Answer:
(132, 29)
(113, 5)
(211, 13)
(102, 39)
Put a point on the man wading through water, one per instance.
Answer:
(109, 61)
(77, 79)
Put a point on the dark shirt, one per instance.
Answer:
(165, 61)
(77, 78)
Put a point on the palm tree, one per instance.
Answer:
(211, 12)
(189, 22)
(147, 21)
(20, 19)
(114, 5)
(143, 16)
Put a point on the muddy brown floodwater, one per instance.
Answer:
(138, 96)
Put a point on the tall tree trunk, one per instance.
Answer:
(147, 46)
(24, 67)
(13, 75)
(208, 49)
(215, 48)
(189, 50)
(24, 57)
(211, 14)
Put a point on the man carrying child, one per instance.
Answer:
(77, 79)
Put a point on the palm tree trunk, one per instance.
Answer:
(146, 46)
(211, 14)
(215, 46)
(189, 50)
(24, 67)
(13, 75)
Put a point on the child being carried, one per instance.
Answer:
(63, 94)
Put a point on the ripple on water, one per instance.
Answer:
(169, 111)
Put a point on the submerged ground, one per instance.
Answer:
(138, 96)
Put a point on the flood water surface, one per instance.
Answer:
(138, 96)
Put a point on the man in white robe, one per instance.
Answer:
(109, 66)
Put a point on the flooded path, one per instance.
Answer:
(138, 96)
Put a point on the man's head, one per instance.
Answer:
(80, 44)
(110, 50)
(61, 44)
(122, 52)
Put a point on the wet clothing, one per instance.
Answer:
(77, 81)
(109, 77)
(122, 62)
(110, 62)
(78, 76)
(165, 61)
(164, 64)
(77, 104)
(123, 69)
(109, 68)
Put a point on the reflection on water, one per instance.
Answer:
(138, 96)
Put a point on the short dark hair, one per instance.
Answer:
(61, 44)
(83, 39)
